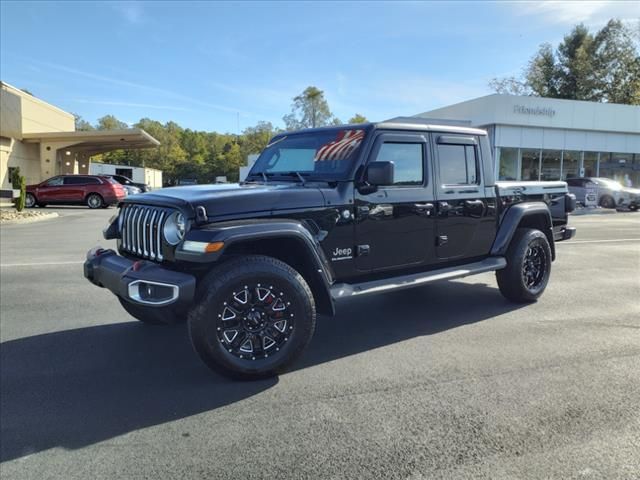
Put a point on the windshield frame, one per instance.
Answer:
(354, 160)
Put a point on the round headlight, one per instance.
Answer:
(175, 228)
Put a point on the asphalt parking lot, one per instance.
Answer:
(447, 381)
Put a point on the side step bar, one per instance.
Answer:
(343, 290)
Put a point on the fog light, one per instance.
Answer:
(152, 293)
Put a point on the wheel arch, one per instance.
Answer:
(528, 215)
(290, 242)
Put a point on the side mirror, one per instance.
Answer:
(380, 173)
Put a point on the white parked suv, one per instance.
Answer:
(611, 194)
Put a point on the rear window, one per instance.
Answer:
(111, 181)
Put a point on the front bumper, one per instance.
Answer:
(141, 282)
(564, 233)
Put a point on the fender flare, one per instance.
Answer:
(232, 233)
(512, 219)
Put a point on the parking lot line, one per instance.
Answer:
(40, 264)
(571, 242)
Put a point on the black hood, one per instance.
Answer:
(233, 198)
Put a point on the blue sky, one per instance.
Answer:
(207, 65)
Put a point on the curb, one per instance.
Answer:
(39, 218)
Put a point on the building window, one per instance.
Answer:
(551, 161)
(508, 164)
(590, 164)
(570, 164)
(530, 164)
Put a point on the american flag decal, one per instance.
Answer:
(341, 147)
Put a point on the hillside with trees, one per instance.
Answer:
(185, 153)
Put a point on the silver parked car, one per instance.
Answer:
(611, 194)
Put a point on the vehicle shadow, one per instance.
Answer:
(74, 388)
(374, 321)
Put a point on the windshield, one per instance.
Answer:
(324, 155)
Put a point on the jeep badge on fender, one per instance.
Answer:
(248, 265)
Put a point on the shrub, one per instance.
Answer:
(23, 194)
(15, 177)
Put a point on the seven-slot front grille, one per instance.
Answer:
(141, 230)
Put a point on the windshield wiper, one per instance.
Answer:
(291, 174)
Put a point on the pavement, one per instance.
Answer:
(447, 381)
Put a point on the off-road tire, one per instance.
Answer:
(154, 315)
(515, 280)
(94, 201)
(607, 201)
(30, 200)
(217, 299)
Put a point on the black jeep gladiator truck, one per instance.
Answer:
(326, 214)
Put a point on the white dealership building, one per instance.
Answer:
(536, 138)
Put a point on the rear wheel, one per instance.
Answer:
(94, 201)
(154, 315)
(255, 316)
(30, 200)
(528, 268)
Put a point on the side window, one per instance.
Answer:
(458, 164)
(408, 161)
(91, 181)
(75, 180)
(54, 182)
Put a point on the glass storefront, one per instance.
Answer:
(530, 164)
(590, 164)
(551, 163)
(508, 164)
(570, 164)
(539, 164)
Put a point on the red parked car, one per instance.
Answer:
(94, 191)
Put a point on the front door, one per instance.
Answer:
(395, 225)
(49, 191)
(466, 211)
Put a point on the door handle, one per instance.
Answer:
(444, 206)
(473, 203)
(381, 211)
(424, 208)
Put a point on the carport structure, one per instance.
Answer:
(69, 152)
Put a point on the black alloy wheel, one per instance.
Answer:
(255, 321)
(534, 266)
(528, 268)
(253, 317)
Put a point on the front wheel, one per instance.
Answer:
(255, 316)
(607, 202)
(29, 200)
(528, 266)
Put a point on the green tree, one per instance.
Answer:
(109, 122)
(604, 67)
(81, 124)
(309, 110)
(357, 118)
(617, 63)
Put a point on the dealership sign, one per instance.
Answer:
(537, 111)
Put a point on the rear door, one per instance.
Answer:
(395, 224)
(466, 213)
(74, 188)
